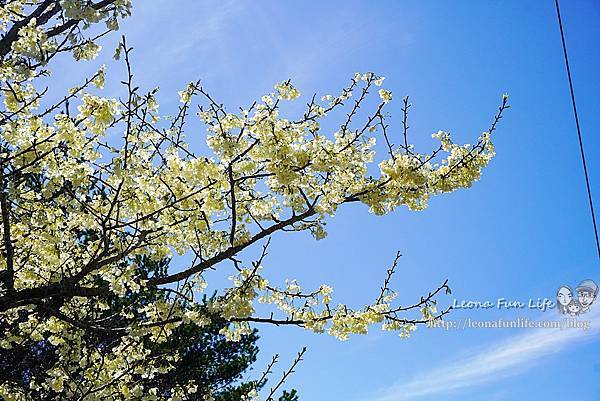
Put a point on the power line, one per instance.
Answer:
(587, 180)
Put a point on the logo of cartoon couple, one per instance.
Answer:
(567, 304)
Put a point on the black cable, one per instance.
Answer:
(587, 181)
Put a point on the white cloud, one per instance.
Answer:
(509, 357)
(168, 37)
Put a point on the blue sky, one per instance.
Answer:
(519, 233)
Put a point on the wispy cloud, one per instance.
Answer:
(204, 32)
(169, 38)
(511, 356)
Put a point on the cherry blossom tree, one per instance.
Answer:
(80, 208)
